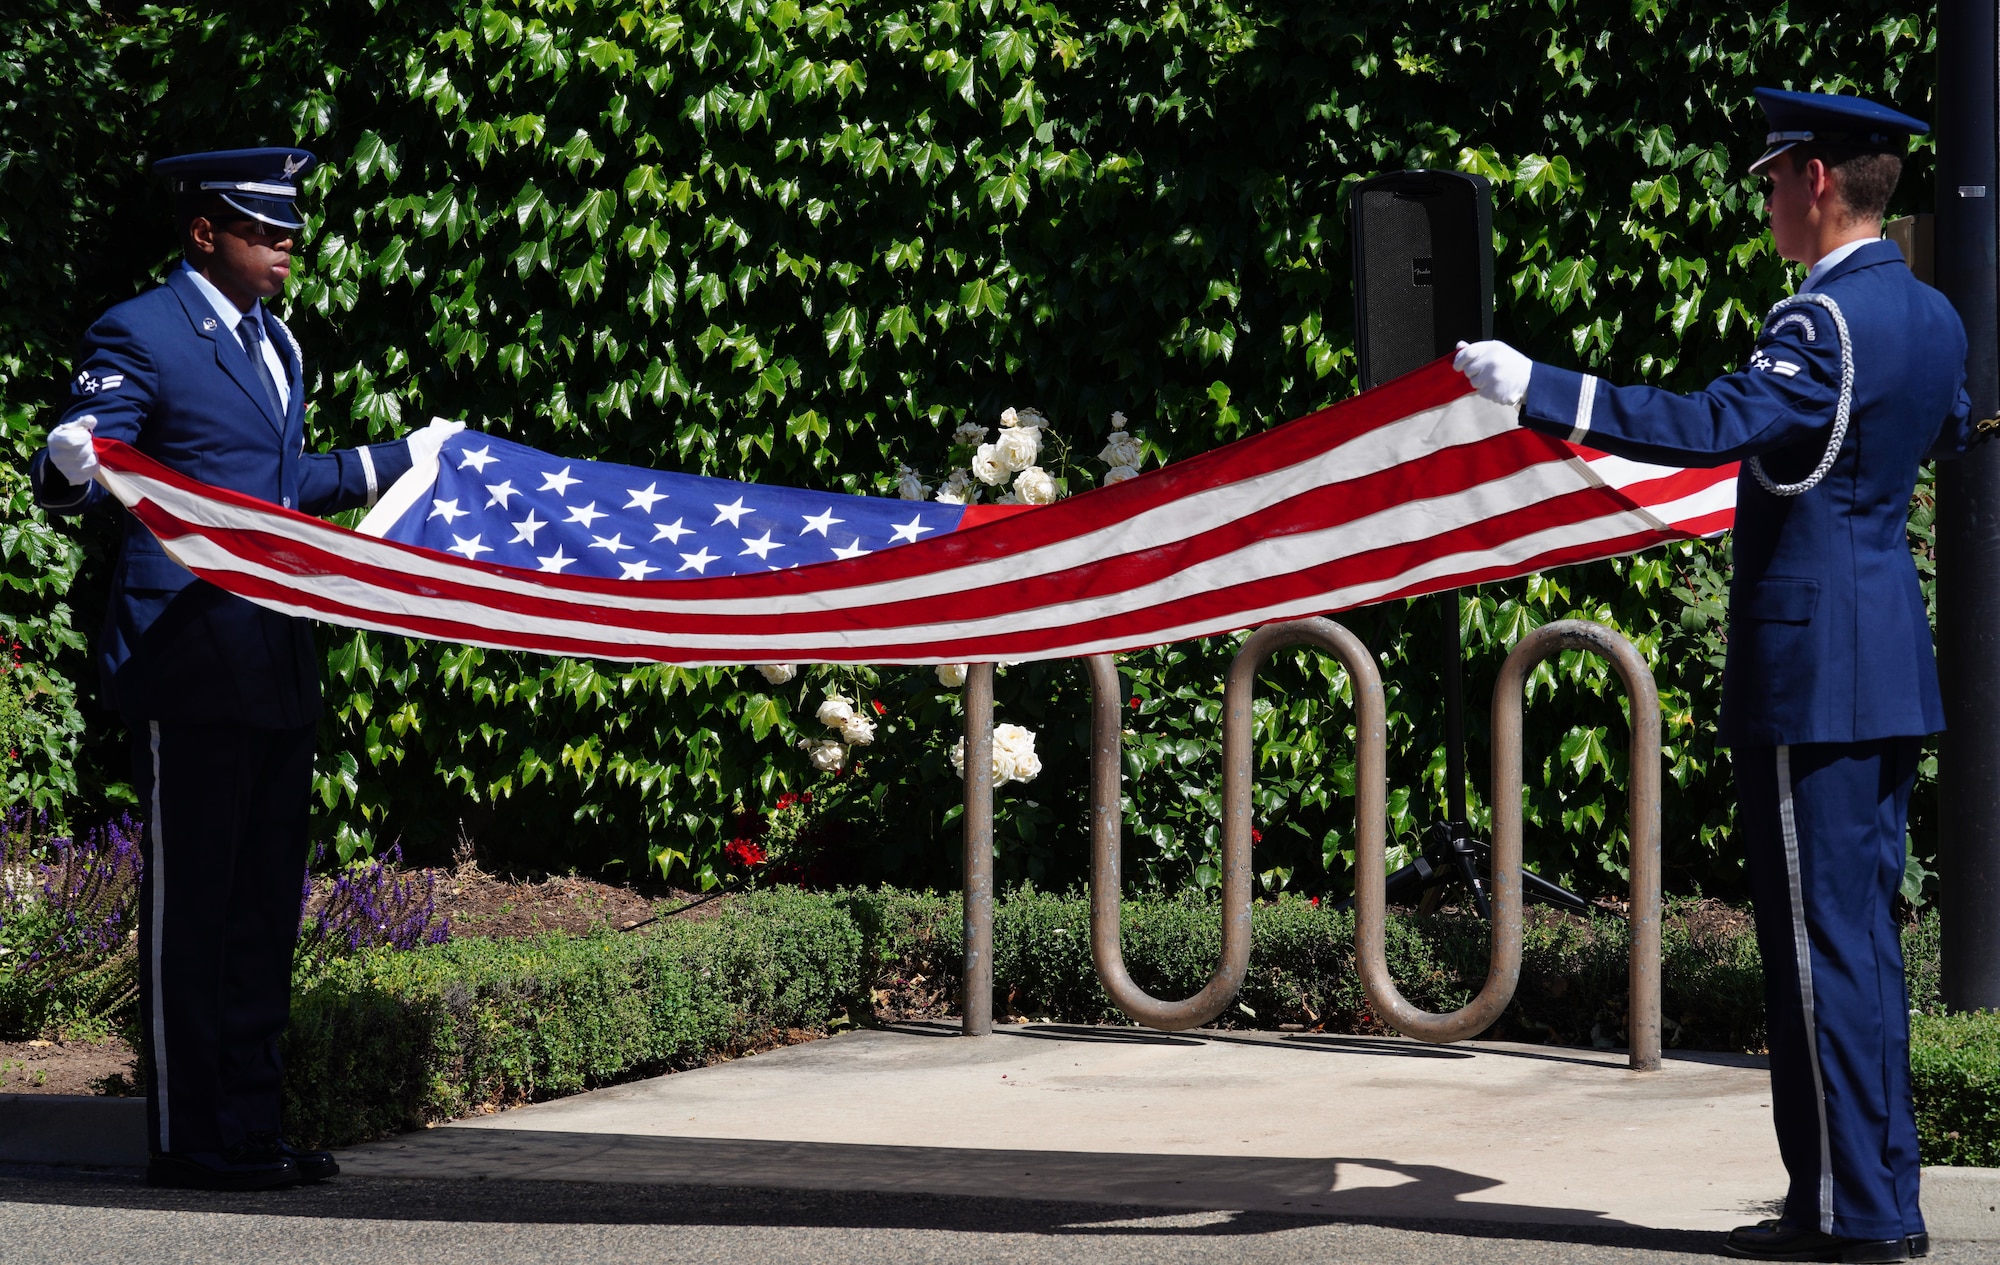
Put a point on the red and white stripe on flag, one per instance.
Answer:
(1411, 488)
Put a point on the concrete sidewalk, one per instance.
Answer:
(1301, 1124)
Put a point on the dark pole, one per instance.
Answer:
(1968, 524)
(1454, 715)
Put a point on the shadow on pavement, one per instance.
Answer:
(570, 1202)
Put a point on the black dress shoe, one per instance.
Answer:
(313, 1166)
(1920, 1244)
(1782, 1240)
(216, 1170)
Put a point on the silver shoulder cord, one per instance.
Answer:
(1840, 411)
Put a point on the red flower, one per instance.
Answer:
(1256, 836)
(1135, 702)
(787, 800)
(745, 852)
(1315, 901)
(880, 710)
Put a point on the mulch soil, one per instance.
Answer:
(67, 1067)
(491, 906)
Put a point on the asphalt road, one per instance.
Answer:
(70, 1217)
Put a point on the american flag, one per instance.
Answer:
(1414, 487)
(492, 500)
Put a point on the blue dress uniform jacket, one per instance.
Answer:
(161, 372)
(1828, 641)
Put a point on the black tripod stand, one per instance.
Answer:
(1451, 855)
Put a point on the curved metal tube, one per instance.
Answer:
(1238, 777)
(1642, 798)
(1504, 968)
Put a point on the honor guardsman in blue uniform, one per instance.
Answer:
(1830, 683)
(221, 696)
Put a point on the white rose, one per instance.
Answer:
(910, 485)
(1014, 758)
(1117, 421)
(1035, 487)
(957, 488)
(1017, 449)
(825, 754)
(1118, 474)
(859, 731)
(1008, 417)
(835, 712)
(1123, 450)
(951, 674)
(987, 468)
(1029, 418)
(778, 673)
(969, 434)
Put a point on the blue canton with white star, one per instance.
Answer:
(501, 502)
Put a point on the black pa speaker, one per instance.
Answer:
(1423, 268)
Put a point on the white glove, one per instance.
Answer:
(425, 443)
(71, 450)
(1497, 371)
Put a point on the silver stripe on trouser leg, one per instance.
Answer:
(1802, 947)
(157, 870)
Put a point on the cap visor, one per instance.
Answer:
(1769, 154)
(273, 211)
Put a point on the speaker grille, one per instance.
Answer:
(1423, 257)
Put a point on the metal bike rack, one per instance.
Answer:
(1504, 969)
(978, 861)
(1371, 793)
(1238, 779)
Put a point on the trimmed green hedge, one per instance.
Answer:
(1955, 1074)
(394, 1040)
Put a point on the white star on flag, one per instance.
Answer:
(478, 459)
(470, 548)
(555, 562)
(524, 531)
(911, 530)
(502, 492)
(447, 510)
(852, 551)
(819, 522)
(643, 501)
(698, 561)
(730, 513)
(672, 531)
(586, 514)
(615, 543)
(635, 570)
(762, 546)
(558, 482)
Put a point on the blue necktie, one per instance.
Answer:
(251, 329)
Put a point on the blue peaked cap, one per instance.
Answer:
(1829, 119)
(261, 183)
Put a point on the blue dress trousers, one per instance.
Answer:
(1829, 686)
(221, 697)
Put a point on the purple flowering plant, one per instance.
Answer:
(373, 903)
(69, 920)
(68, 915)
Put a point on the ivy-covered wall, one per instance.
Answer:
(801, 244)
